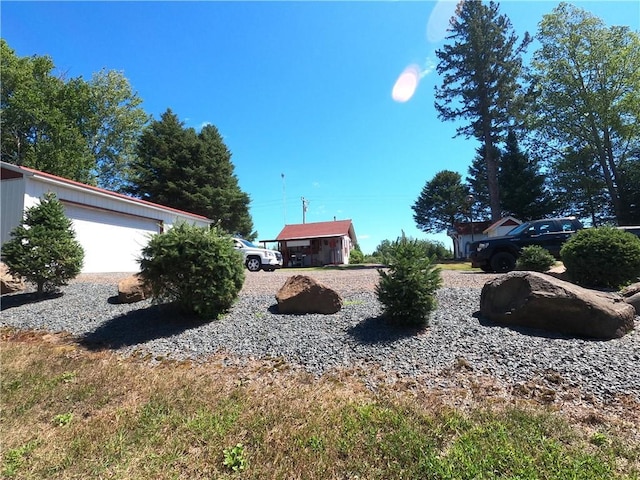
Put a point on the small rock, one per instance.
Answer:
(9, 283)
(132, 289)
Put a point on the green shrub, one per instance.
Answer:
(602, 257)
(429, 249)
(43, 248)
(356, 256)
(535, 258)
(407, 290)
(195, 267)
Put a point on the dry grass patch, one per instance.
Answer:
(70, 413)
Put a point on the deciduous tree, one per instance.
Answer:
(586, 94)
(84, 131)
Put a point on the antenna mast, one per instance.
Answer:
(305, 204)
(284, 200)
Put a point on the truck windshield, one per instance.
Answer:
(519, 229)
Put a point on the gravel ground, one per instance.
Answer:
(355, 337)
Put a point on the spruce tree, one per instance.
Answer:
(180, 168)
(43, 248)
(522, 187)
(441, 203)
(478, 183)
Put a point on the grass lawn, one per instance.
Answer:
(68, 413)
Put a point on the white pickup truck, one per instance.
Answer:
(258, 258)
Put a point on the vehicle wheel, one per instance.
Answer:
(253, 264)
(503, 262)
(486, 268)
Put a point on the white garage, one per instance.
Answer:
(112, 228)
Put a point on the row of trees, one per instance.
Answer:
(96, 132)
(575, 108)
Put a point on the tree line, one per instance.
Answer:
(557, 136)
(96, 132)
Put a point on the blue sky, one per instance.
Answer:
(300, 89)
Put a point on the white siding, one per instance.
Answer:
(11, 206)
(111, 229)
(112, 241)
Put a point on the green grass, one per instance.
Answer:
(127, 419)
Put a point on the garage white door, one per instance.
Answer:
(112, 242)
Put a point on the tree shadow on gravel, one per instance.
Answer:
(377, 330)
(20, 299)
(140, 326)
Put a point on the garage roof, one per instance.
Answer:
(9, 171)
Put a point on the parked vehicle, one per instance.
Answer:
(635, 229)
(499, 254)
(258, 258)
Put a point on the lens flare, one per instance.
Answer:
(439, 20)
(406, 84)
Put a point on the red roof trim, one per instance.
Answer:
(49, 176)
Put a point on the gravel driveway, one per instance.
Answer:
(355, 337)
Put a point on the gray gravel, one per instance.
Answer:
(354, 337)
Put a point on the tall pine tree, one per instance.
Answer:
(480, 69)
(179, 168)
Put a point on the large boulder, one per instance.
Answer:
(540, 301)
(631, 295)
(9, 283)
(301, 294)
(132, 289)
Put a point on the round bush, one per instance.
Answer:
(407, 289)
(603, 257)
(535, 258)
(195, 267)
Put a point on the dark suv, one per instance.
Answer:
(499, 254)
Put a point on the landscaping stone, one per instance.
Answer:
(631, 295)
(301, 294)
(9, 283)
(536, 300)
(131, 289)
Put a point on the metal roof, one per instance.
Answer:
(336, 228)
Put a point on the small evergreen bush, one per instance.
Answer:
(407, 290)
(535, 258)
(43, 248)
(602, 257)
(195, 267)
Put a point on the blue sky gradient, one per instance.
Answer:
(300, 89)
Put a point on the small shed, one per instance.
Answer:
(464, 233)
(317, 243)
(111, 227)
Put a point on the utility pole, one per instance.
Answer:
(305, 204)
(284, 200)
